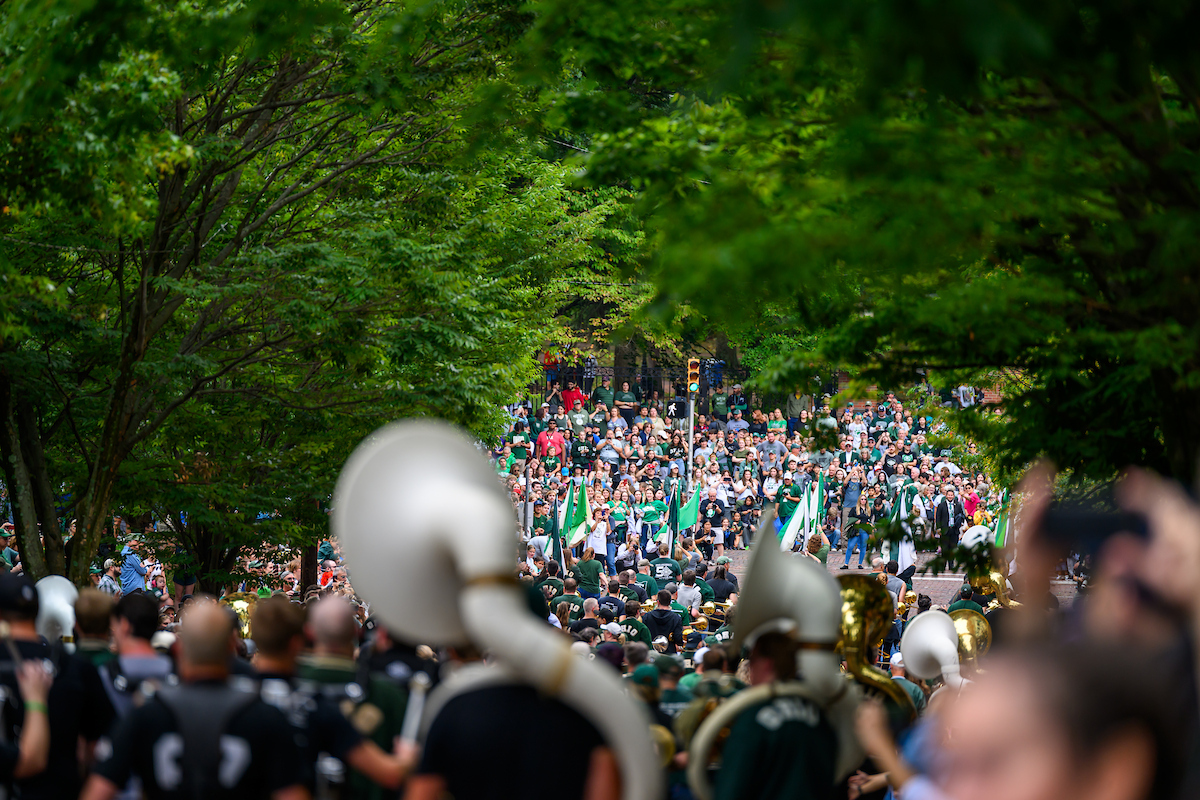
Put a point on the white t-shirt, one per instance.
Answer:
(598, 539)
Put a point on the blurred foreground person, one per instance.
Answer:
(1075, 722)
(203, 739)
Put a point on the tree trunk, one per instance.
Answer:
(20, 487)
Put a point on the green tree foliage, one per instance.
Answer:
(961, 188)
(239, 236)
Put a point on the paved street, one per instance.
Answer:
(940, 588)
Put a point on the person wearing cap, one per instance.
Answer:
(550, 437)
(899, 676)
(788, 497)
(645, 577)
(76, 706)
(133, 571)
(736, 424)
(964, 600)
(603, 394)
(611, 632)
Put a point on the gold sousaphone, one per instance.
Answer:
(866, 618)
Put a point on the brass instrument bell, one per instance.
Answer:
(974, 636)
(242, 604)
(866, 618)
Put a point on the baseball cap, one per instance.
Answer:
(787, 476)
(613, 629)
(664, 434)
(545, 405)
(109, 564)
(646, 675)
(97, 571)
(897, 660)
(723, 560)
(672, 587)
(612, 653)
(17, 593)
(666, 665)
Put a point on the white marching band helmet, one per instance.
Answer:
(429, 536)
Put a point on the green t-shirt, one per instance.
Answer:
(665, 570)
(578, 420)
(574, 600)
(602, 395)
(789, 498)
(625, 397)
(720, 403)
(649, 584)
(589, 575)
(707, 595)
(674, 700)
(536, 426)
(520, 444)
(651, 513)
(971, 604)
(636, 631)
(542, 522)
(777, 424)
(782, 747)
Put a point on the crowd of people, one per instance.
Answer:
(272, 689)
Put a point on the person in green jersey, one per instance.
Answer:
(781, 746)
(571, 597)
(665, 569)
(645, 578)
(626, 403)
(720, 405)
(632, 626)
(603, 394)
(553, 581)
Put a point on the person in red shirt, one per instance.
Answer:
(550, 437)
(572, 394)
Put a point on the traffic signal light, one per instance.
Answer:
(693, 375)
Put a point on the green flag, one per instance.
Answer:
(554, 547)
(796, 524)
(689, 515)
(579, 519)
(670, 529)
(1002, 521)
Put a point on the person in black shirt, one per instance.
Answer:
(489, 744)
(77, 706)
(204, 739)
(278, 626)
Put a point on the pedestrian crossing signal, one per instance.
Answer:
(693, 375)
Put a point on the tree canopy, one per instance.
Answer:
(1001, 193)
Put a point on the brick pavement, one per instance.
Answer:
(940, 588)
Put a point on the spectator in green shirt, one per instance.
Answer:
(964, 600)
(603, 394)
